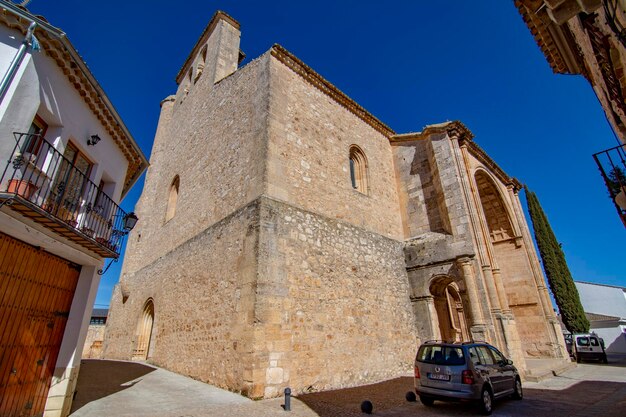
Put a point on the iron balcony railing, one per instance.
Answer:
(38, 175)
(612, 164)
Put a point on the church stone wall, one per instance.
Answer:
(216, 144)
(203, 293)
(308, 162)
(332, 305)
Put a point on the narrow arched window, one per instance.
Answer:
(358, 169)
(172, 199)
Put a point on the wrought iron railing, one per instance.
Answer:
(612, 164)
(39, 174)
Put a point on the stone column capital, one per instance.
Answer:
(464, 260)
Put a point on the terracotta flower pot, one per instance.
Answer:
(22, 188)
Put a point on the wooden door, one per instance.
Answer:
(36, 292)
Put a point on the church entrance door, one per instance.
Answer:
(144, 333)
(450, 312)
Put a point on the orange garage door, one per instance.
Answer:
(36, 292)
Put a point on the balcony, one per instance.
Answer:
(612, 164)
(42, 184)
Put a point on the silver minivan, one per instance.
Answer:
(469, 371)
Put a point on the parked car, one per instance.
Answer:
(469, 371)
(589, 346)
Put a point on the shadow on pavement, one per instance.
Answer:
(347, 402)
(606, 399)
(101, 378)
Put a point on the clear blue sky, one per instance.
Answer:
(410, 63)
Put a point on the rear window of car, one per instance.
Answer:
(441, 355)
(582, 341)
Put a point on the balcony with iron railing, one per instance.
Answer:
(42, 184)
(612, 164)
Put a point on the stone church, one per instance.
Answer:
(289, 238)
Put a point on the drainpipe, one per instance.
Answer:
(29, 42)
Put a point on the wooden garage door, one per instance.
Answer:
(36, 291)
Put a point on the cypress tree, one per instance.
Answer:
(555, 266)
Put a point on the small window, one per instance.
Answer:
(172, 199)
(594, 341)
(36, 132)
(582, 341)
(358, 170)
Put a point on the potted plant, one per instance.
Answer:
(22, 188)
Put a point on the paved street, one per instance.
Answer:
(108, 388)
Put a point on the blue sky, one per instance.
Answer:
(410, 64)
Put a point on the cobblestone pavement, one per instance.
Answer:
(587, 390)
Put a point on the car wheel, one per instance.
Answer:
(427, 401)
(604, 359)
(518, 394)
(486, 401)
(577, 358)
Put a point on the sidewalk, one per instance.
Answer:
(130, 389)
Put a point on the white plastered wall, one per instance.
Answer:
(40, 88)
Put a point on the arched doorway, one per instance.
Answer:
(144, 332)
(450, 312)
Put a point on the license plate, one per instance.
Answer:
(439, 377)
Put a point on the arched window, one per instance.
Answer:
(200, 64)
(358, 170)
(172, 199)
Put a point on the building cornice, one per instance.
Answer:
(453, 129)
(553, 40)
(319, 82)
(219, 15)
(58, 47)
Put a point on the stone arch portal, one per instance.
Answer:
(449, 308)
(144, 333)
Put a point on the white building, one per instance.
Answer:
(67, 161)
(605, 307)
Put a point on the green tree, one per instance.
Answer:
(559, 276)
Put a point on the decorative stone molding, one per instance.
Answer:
(490, 164)
(454, 129)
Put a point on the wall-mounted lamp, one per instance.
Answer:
(130, 220)
(93, 139)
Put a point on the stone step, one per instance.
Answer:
(552, 369)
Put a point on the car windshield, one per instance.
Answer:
(441, 355)
(582, 341)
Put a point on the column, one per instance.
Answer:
(504, 302)
(470, 284)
